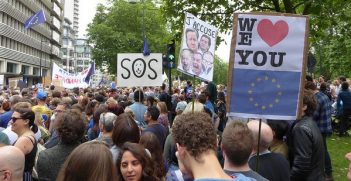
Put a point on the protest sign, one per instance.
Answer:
(196, 55)
(71, 80)
(267, 65)
(135, 69)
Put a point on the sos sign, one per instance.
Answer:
(137, 70)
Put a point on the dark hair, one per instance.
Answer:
(90, 161)
(27, 113)
(151, 99)
(310, 101)
(279, 127)
(153, 112)
(115, 109)
(202, 98)
(89, 109)
(345, 85)
(209, 39)
(310, 85)
(101, 109)
(151, 142)
(77, 107)
(237, 143)
(199, 140)
(191, 30)
(137, 97)
(342, 78)
(125, 129)
(70, 127)
(323, 86)
(6, 106)
(140, 154)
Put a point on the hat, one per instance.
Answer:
(181, 106)
(41, 95)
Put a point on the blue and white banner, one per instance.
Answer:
(267, 60)
(62, 78)
(37, 18)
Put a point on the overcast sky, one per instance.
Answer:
(87, 12)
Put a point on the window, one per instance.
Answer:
(36, 71)
(11, 67)
(25, 69)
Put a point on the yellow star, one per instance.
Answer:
(251, 99)
(252, 84)
(266, 78)
(250, 91)
(278, 85)
(276, 100)
(263, 107)
(256, 104)
(273, 80)
(270, 105)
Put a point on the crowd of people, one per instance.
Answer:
(148, 134)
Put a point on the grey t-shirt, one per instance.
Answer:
(250, 173)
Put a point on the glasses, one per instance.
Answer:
(14, 119)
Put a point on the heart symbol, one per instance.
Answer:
(272, 34)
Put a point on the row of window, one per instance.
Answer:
(25, 69)
(19, 26)
(15, 45)
(28, 12)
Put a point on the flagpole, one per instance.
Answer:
(41, 55)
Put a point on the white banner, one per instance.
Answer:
(71, 80)
(137, 70)
(196, 55)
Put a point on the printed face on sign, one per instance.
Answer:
(139, 66)
(187, 59)
(191, 39)
(205, 43)
(197, 64)
(208, 60)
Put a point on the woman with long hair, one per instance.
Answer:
(22, 123)
(150, 142)
(90, 161)
(163, 117)
(135, 164)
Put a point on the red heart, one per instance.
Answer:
(272, 34)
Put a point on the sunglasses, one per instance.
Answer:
(14, 119)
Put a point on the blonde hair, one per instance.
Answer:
(198, 107)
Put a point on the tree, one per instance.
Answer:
(119, 28)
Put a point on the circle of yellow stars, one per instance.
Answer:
(271, 104)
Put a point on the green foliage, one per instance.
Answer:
(119, 28)
(337, 148)
(220, 75)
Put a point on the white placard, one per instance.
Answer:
(137, 70)
(196, 55)
(72, 80)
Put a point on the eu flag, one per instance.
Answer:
(146, 50)
(90, 73)
(263, 94)
(37, 18)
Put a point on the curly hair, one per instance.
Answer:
(310, 101)
(196, 132)
(70, 127)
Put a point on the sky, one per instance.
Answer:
(87, 13)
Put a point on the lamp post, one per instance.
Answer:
(41, 55)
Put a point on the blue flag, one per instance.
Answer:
(90, 73)
(263, 92)
(146, 50)
(37, 18)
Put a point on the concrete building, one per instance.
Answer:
(24, 52)
(68, 39)
(72, 14)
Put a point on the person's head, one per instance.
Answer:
(310, 86)
(208, 59)
(279, 127)
(205, 43)
(150, 141)
(162, 107)
(22, 119)
(90, 161)
(151, 114)
(91, 107)
(125, 130)
(237, 143)
(15, 99)
(138, 96)
(187, 57)
(266, 134)
(61, 107)
(348, 157)
(70, 127)
(107, 121)
(342, 79)
(345, 85)
(41, 95)
(309, 103)
(150, 101)
(115, 109)
(134, 163)
(197, 64)
(191, 39)
(11, 163)
(195, 137)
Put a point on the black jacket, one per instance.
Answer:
(306, 151)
